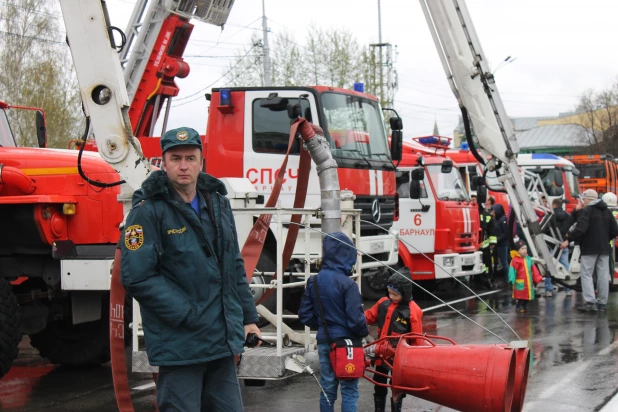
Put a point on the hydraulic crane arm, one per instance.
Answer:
(102, 87)
(102, 81)
(474, 87)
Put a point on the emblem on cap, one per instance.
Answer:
(182, 135)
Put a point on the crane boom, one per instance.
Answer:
(102, 87)
(474, 87)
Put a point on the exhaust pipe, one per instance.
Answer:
(319, 149)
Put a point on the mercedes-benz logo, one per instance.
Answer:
(375, 211)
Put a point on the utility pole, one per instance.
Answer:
(380, 49)
(266, 50)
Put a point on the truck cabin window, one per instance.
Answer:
(271, 128)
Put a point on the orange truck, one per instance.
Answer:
(598, 172)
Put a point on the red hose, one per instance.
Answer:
(117, 338)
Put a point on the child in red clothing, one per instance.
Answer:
(396, 314)
(523, 276)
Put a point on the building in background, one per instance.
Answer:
(566, 134)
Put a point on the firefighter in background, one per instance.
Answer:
(611, 200)
(488, 241)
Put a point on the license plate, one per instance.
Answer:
(468, 261)
(377, 247)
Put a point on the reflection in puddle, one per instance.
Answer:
(17, 385)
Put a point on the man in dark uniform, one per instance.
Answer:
(488, 244)
(181, 262)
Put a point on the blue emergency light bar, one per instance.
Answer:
(359, 87)
(434, 141)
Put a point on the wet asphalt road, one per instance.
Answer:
(574, 365)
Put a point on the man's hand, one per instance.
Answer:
(564, 245)
(252, 328)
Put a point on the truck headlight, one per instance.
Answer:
(449, 261)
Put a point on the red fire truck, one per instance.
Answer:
(438, 222)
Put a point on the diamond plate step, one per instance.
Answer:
(256, 363)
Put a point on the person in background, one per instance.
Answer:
(562, 222)
(396, 314)
(488, 245)
(596, 227)
(343, 313)
(523, 275)
(612, 204)
(490, 202)
(502, 239)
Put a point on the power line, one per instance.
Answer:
(33, 38)
(232, 35)
(235, 77)
(210, 85)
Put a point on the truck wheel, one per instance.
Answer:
(10, 333)
(373, 285)
(84, 344)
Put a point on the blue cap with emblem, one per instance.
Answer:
(183, 136)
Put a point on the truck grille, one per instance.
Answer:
(387, 212)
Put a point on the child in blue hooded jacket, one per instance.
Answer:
(343, 310)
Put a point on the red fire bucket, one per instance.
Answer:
(463, 377)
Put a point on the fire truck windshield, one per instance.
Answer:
(355, 128)
(447, 186)
(6, 135)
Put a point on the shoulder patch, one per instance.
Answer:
(134, 237)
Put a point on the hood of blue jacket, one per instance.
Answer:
(338, 254)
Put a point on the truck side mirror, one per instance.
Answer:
(418, 175)
(415, 188)
(481, 194)
(558, 179)
(396, 123)
(575, 172)
(41, 129)
(447, 166)
(396, 145)
(274, 103)
(294, 110)
(475, 182)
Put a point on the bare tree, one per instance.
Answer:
(329, 57)
(36, 70)
(288, 68)
(599, 115)
(247, 69)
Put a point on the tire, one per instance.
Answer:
(10, 329)
(373, 287)
(84, 344)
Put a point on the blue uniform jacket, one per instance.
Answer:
(193, 304)
(341, 298)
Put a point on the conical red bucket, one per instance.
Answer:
(463, 377)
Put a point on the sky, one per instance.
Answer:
(559, 49)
